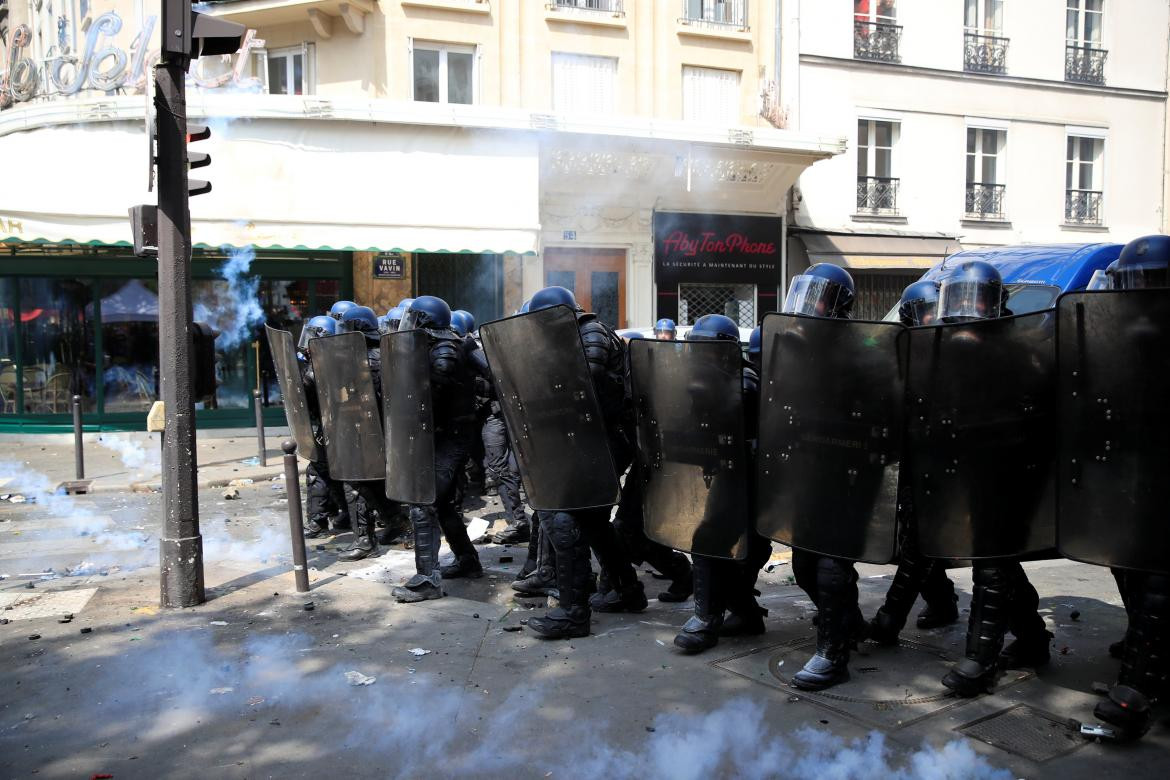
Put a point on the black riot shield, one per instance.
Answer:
(832, 403)
(692, 455)
(1114, 391)
(553, 418)
(981, 429)
(349, 408)
(409, 420)
(292, 392)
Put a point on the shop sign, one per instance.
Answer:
(10, 226)
(100, 65)
(727, 248)
(389, 265)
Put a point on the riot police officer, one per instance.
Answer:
(1002, 598)
(472, 477)
(339, 308)
(665, 329)
(573, 533)
(916, 575)
(324, 496)
(453, 407)
(826, 290)
(726, 585)
(361, 319)
(1145, 666)
(754, 347)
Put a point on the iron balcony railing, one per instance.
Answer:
(984, 53)
(876, 41)
(716, 13)
(984, 201)
(877, 195)
(1082, 207)
(609, 6)
(1084, 64)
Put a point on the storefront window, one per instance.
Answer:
(8, 356)
(129, 317)
(286, 306)
(57, 346)
(232, 353)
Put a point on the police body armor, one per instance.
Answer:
(1114, 391)
(551, 410)
(349, 408)
(692, 456)
(832, 403)
(408, 417)
(292, 392)
(981, 427)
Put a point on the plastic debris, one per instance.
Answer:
(221, 691)
(418, 652)
(477, 527)
(231, 494)
(240, 482)
(659, 641)
(357, 678)
(219, 623)
(255, 700)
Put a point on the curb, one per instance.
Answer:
(202, 483)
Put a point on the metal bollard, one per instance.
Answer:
(260, 427)
(78, 446)
(292, 485)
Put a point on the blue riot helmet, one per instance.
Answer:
(632, 335)
(824, 290)
(553, 296)
(321, 325)
(338, 310)
(665, 330)
(714, 327)
(427, 312)
(755, 344)
(1142, 263)
(360, 319)
(973, 290)
(392, 319)
(405, 304)
(462, 322)
(919, 304)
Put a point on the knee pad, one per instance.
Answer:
(562, 530)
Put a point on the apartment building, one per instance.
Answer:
(976, 123)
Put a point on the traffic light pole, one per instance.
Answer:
(181, 553)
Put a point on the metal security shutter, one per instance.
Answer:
(877, 293)
(737, 301)
(710, 95)
(471, 282)
(584, 84)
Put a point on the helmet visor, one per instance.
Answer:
(1136, 277)
(412, 320)
(919, 312)
(308, 333)
(812, 295)
(1100, 281)
(389, 326)
(964, 299)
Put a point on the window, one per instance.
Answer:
(985, 190)
(877, 190)
(1083, 180)
(984, 47)
(1084, 59)
(291, 71)
(875, 34)
(443, 73)
(716, 12)
(584, 85)
(710, 95)
(984, 17)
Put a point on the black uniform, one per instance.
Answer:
(324, 496)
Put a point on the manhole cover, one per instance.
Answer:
(1025, 731)
(16, 605)
(891, 687)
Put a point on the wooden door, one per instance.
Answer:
(597, 278)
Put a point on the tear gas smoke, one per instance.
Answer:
(233, 308)
(134, 455)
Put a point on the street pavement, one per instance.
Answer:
(264, 682)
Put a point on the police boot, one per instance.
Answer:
(942, 605)
(629, 597)
(747, 616)
(316, 528)
(1030, 647)
(1127, 710)
(839, 622)
(463, 566)
(425, 584)
(675, 566)
(364, 542)
(701, 631)
(466, 562)
(990, 612)
(1145, 665)
(340, 522)
(514, 533)
(541, 579)
(903, 592)
(570, 619)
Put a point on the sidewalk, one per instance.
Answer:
(132, 461)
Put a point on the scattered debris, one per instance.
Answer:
(240, 482)
(659, 641)
(274, 722)
(357, 678)
(309, 606)
(221, 691)
(475, 615)
(146, 610)
(418, 652)
(65, 619)
(231, 494)
(1075, 614)
(87, 630)
(477, 527)
(523, 621)
(219, 623)
(255, 700)
(3, 621)
(34, 636)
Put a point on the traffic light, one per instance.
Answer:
(144, 228)
(197, 159)
(202, 360)
(191, 35)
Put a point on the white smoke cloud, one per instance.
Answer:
(233, 310)
(134, 455)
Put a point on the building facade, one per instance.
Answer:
(640, 152)
(976, 123)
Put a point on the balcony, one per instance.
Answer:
(613, 7)
(877, 195)
(716, 15)
(984, 53)
(1084, 65)
(1082, 207)
(876, 41)
(984, 201)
